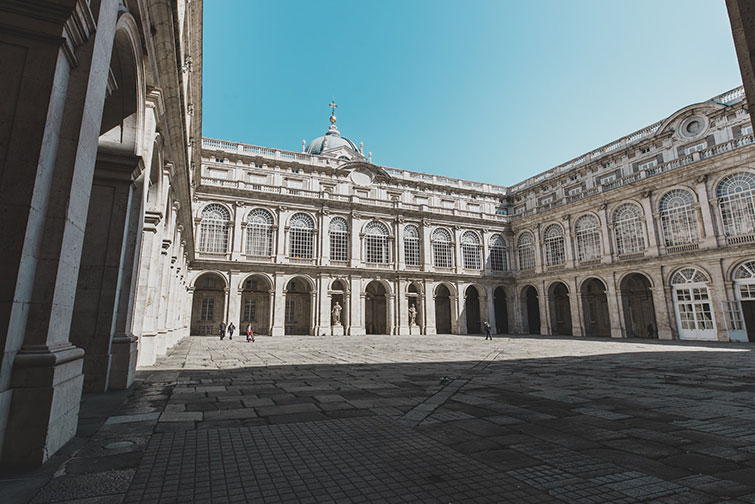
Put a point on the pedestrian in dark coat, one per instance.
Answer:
(221, 326)
(488, 331)
(231, 328)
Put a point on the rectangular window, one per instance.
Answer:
(733, 313)
(746, 130)
(471, 255)
(747, 291)
(376, 249)
(575, 190)
(411, 251)
(526, 257)
(498, 259)
(608, 179)
(208, 309)
(442, 253)
(290, 310)
(250, 310)
(301, 243)
(695, 148)
(339, 246)
(647, 164)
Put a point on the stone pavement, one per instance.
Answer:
(436, 419)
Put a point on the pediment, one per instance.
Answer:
(682, 122)
(362, 173)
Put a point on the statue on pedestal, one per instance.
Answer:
(412, 315)
(336, 314)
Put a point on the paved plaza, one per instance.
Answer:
(441, 419)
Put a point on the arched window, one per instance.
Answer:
(499, 260)
(470, 250)
(526, 248)
(376, 248)
(554, 245)
(411, 245)
(678, 218)
(736, 197)
(259, 233)
(588, 238)
(442, 255)
(627, 228)
(339, 239)
(213, 230)
(301, 236)
(694, 313)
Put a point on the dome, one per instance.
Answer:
(331, 140)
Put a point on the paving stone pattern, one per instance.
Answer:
(424, 419)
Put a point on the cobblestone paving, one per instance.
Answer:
(426, 419)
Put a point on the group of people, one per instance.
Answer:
(230, 329)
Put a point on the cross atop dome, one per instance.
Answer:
(333, 108)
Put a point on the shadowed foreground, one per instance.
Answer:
(417, 419)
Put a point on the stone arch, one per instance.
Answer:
(530, 306)
(560, 308)
(193, 283)
(501, 299)
(442, 296)
(376, 298)
(742, 274)
(638, 305)
(473, 297)
(256, 292)
(208, 303)
(269, 283)
(597, 322)
(299, 308)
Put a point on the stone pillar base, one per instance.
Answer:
(357, 331)
(616, 332)
(147, 354)
(403, 330)
(161, 343)
(415, 330)
(123, 361)
(277, 331)
(337, 330)
(665, 334)
(96, 372)
(431, 331)
(44, 410)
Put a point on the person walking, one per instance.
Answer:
(488, 330)
(231, 328)
(222, 329)
(249, 333)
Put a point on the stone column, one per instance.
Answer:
(314, 325)
(491, 315)
(356, 305)
(569, 243)
(614, 308)
(54, 79)
(161, 339)
(539, 268)
(458, 259)
(429, 318)
(706, 226)
(605, 234)
(237, 230)
(355, 245)
(400, 260)
(717, 294)
(233, 299)
(649, 224)
(484, 234)
(663, 304)
(403, 307)
(280, 240)
(390, 323)
(575, 307)
(455, 299)
(545, 311)
(427, 250)
(146, 289)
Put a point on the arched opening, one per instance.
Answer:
(298, 314)
(639, 310)
(255, 305)
(472, 309)
(376, 308)
(338, 313)
(693, 305)
(501, 311)
(560, 310)
(442, 310)
(414, 307)
(531, 308)
(208, 305)
(595, 308)
(744, 286)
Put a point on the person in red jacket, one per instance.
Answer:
(249, 333)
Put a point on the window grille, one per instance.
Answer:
(213, 230)
(588, 238)
(290, 310)
(736, 196)
(442, 254)
(259, 233)
(526, 249)
(733, 312)
(554, 245)
(745, 271)
(678, 218)
(250, 310)
(339, 239)
(301, 236)
(411, 246)
(471, 251)
(692, 300)
(376, 243)
(627, 228)
(498, 257)
(207, 311)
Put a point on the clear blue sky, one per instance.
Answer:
(495, 91)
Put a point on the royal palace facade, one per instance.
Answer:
(651, 236)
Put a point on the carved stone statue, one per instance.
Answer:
(336, 314)
(412, 315)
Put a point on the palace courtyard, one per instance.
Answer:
(441, 419)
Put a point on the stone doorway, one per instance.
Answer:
(560, 309)
(298, 315)
(595, 308)
(442, 310)
(376, 309)
(255, 305)
(531, 309)
(472, 310)
(639, 310)
(501, 311)
(208, 305)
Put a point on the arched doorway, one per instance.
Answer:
(376, 308)
(531, 307)
(501, 311)
(442, 310)
(255, 305)
(744, 286)
(639, 310)
(472, 309)
(298, 314)
(595, 308)
(560, 310)
(208, 304)
(414, 308)
(693, 305)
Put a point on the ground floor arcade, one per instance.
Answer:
(688, 302)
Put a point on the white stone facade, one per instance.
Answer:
(649, 236)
